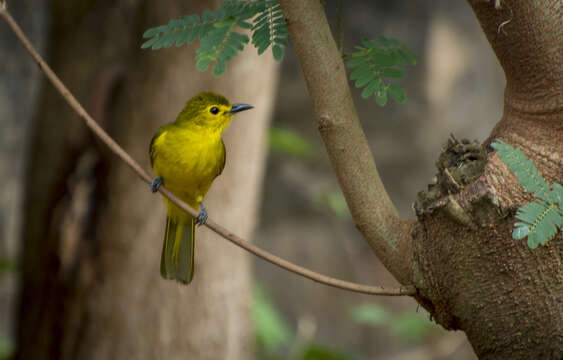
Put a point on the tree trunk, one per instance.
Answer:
(19, 89)
(470, 273)
(94, 232)
(505, 296)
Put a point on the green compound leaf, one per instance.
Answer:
(540, 220)
(372, 87)
(362, 81)
(149, 43)
(394, 73)
(524, 170)
(278, 52)
(202, 64)
(530, 212)
(217, 32)
(521, 230)
(362, 71)
(270, 29)
(356, 61)
(407, 56)
(397, 93)
(381, 58)
(377, 60)
(221, 44)
(557, 194)
(219, 68)
(381, 97)
(390, 42)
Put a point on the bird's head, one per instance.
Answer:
(210, 111)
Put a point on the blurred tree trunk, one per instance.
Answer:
(91, 287)
(19, 89)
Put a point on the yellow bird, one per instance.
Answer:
(186, 156)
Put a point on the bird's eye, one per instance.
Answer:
(214, 110)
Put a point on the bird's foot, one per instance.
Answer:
(156, 184)
(201, 218)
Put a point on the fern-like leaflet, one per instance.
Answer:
(269, 28)
(217, 32)
(524, 170)
(220, 45)
(376, 60)
(540, 220)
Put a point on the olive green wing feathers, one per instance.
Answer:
(154, 141)
(221, 163)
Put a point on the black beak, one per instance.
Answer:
(239, 107)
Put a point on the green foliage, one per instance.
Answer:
(370, 314)
(7, 349)
(334, 201)
(271, 331)
(7, 265)
(539, 220)
(524, 170)
(273, 334)
(269, 28)
(318, 352)
(216, 31)
(377, 60)
(290, 142)
(406, 326)
(412, 327)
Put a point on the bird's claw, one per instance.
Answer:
(201, 218)
(155, 185)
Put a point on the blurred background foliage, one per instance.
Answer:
(275, 340)
(456, 88)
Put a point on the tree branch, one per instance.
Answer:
(374, 213)
(340, 27)
(526, 38)
(98, 131)
(522, 35)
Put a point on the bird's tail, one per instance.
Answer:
(177, 260)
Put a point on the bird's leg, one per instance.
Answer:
(201, 218)
(156, 184)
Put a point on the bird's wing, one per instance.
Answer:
(221, 164)
(153, 146)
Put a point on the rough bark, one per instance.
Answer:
(91, 283)
(475, 277)
(470, 273)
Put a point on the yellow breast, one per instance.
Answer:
(188, 161)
